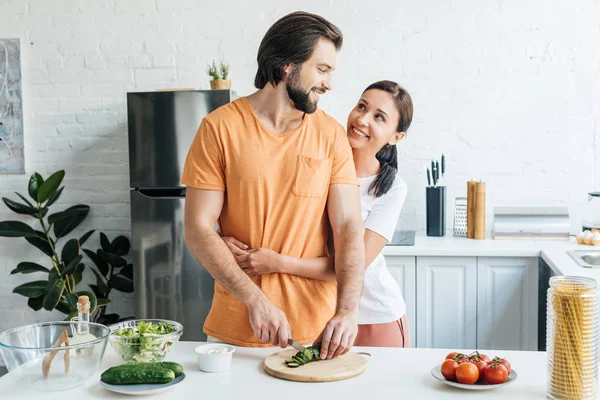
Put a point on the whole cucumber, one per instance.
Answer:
(136, 374)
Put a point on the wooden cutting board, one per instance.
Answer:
(344, 367)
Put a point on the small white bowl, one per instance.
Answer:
(214, 362)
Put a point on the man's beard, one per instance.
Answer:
(299, 97)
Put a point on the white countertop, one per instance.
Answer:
(402, 373)
(554, 253)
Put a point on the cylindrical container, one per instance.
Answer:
(470, 209)
(436, 210)
(591, 216)
(479, 229)
(572, 338)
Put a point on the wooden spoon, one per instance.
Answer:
(64, 337)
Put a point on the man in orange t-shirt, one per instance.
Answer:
(275, 172)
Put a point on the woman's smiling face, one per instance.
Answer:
(373, 122)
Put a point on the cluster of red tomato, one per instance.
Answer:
(469, 369)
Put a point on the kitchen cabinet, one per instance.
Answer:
(507, 303)
(403, 269)
(446, 302)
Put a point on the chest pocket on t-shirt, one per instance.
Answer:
(312, 177)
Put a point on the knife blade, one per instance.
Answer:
(443, 165)
(296, 345)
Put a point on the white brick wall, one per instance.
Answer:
(508, 90)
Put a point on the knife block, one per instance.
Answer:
(436, 210)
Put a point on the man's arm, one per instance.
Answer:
(343, 207)
(202, 210)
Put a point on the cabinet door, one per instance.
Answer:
(507, 303)
(446, 302)
(403, 271)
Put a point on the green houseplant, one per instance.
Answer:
(59, 288)
(219, 75)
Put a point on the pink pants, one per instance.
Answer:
(391, 334)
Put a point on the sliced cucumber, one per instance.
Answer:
(298, 360)
(293, 365)
(308, 353)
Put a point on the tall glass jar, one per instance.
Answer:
(591, 215)
(572, 338)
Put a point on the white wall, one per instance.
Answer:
(507, 89)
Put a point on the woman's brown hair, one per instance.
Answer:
(388, 154)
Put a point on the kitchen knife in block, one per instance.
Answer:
(343, 367)
(471, 209)
(479, 233)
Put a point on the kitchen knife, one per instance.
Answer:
(443, 165)
(428, 177)
(295, 345)
(437, 171)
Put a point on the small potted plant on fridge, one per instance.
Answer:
(219, 76)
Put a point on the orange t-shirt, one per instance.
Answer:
(276, 188)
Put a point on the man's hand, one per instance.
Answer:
(269, 323)
(338, 336)
(236, 247)
(259, 261)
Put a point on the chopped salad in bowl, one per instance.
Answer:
(147, 340)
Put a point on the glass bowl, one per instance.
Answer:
(147, 347)
(26, 349)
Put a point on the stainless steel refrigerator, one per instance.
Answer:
(169, 282)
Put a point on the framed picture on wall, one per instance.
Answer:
(11, 108)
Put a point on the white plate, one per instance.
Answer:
(437, 374)
(144, 388)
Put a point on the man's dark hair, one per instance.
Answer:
(291, 40)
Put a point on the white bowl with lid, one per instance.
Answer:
(214, 357)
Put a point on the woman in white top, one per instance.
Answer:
(375, 125)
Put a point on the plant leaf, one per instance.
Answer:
(53, 275)
(104, 243)
(99, 262)
(48, 188)
(64, 222)
(103, 302)
(69, 251)
(85, 237)
(36, 303)
(97, 291)
(102, 287)
(78, 274)
(72, 300)
(43, 212)
(18, 207)
(70, 268)
(35, 182)
(127, 271)
(65, 308)
(53, 293)
(54, 197)
(31, 289)
(91, 296)
(25, 200)
(113, 260)
(27, 267)
(71, 316)
(120, 246)
(41, 243)
(16, 229)
(109, 319)
(122, 284)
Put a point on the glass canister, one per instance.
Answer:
(572, 338)
(591, 216)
